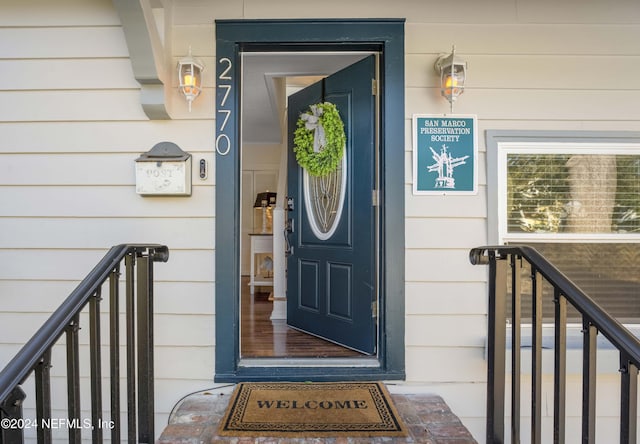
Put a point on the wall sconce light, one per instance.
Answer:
(190, 77)
(453, 73)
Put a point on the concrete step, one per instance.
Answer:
(427, 416)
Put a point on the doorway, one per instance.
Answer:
(376, 308)
(330, 270)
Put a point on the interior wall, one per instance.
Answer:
(260, 170)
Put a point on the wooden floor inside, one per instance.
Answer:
(263, 338)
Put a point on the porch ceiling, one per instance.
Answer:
(269, 77)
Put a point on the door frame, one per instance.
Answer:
(235, 36)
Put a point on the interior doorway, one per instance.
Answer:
(271, 81)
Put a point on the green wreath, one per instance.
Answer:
(319, 139)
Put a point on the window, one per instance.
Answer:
(577, 203)
(570, 192)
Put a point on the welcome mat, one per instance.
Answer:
(359, 409)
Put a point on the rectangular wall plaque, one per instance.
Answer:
(445, 154)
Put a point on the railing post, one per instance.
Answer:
(560, 368)
(129, 262)
(114, 352)
(628, 400)
(73, 379)
(496, 349)
(11, 409)
(146, 422)
(589, 350)
(536, 357)
(43, 398)
(516, 339)
(96, 367)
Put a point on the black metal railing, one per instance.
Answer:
(503, 259)
(35, 357)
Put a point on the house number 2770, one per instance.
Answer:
(223, 143)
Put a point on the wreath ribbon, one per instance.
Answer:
(312, 123)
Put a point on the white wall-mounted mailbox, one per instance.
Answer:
(165, 170)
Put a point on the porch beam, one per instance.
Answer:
(146, 53)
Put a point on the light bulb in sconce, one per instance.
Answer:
(453, 73)
(190, 77)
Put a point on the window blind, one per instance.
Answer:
(573, 193)
(609, 273)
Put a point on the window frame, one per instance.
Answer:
(496, 140)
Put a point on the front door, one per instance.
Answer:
(331, 267)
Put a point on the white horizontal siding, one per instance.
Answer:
(534, 104)
(441, 330)
(180, 363)
(468, 11)
(101, 201)
(535, 71)
(34, 296)
(66, 13)
(44, 296)
(185, 331)
(106, 137)
(444, 233)
(96, 233)
(172, 361)
(445, 364)
(445, 265)
(61, 106)
(491, 12)
(435, 298)
(63, 42)
(195, 331)
(68, 169)
(20, 331)
(591, 11)
(445, 206)
(517, 39)
(185, 265)
(199, 36)
(561, 125)
(181, 297)
(75, 74)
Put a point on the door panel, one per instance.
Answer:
(331, 279)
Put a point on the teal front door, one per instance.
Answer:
(331, 267)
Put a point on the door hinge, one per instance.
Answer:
(375, 198)
(374, 309)
(374, 87)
